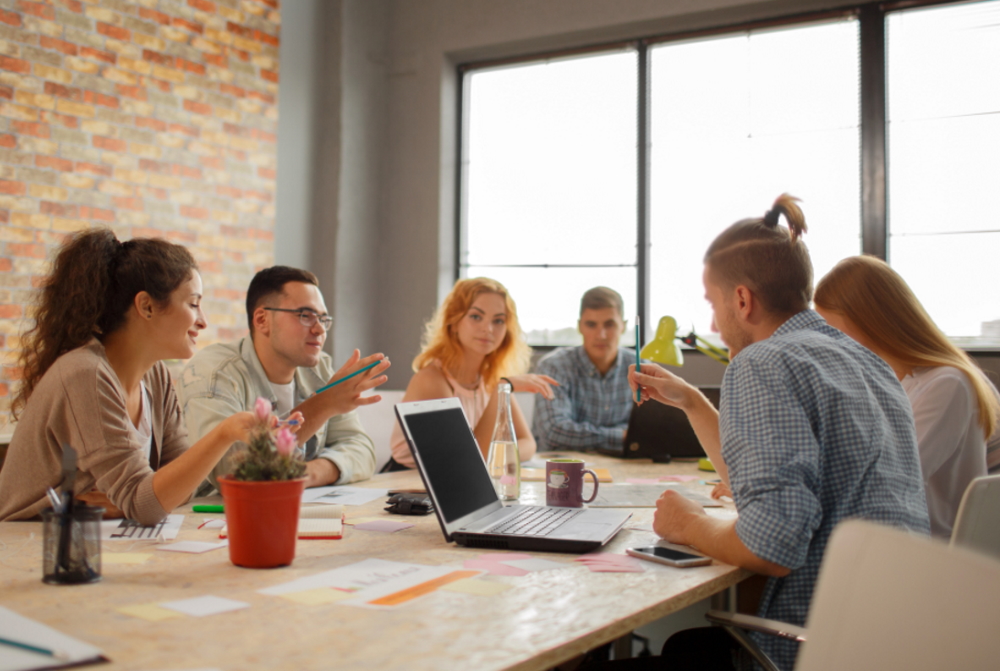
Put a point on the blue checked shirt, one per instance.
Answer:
(815, 430)
(589, 411)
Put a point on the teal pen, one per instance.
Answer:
(348, 377)
(638, 361)
(34, 648)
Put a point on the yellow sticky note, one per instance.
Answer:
(150, 611)
(124, 557)
(362, 520)
(315, 597)
(478, 587)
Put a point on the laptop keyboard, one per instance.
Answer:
(534, 521)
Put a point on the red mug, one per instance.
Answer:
(564, 483)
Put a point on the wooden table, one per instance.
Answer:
(549, 617)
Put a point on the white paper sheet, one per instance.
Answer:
(130, 530)
(194, 547)
(204, 605)
(344, 495)
(24, 630)
(367, 579)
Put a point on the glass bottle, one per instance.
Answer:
(503, 461)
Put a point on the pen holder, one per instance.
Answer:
(80, 560)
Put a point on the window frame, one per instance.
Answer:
(871, 19)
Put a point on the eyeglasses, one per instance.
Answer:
(307, 317)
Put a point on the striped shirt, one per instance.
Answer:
(590, 411)
(815, 430)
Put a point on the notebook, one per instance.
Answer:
(322, 522)
(22, 634)
(467, 506)
(661, 432)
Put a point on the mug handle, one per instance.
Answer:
(596, 480)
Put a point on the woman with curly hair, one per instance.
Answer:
(93, 379)
(473, 340)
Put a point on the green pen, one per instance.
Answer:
(208, 509)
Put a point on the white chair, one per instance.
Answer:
(886, 599)
(378, 420)
(977, 526)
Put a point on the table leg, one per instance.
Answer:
(622, 647)
(725, 600)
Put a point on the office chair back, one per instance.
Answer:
(977, 526)
(886, 599)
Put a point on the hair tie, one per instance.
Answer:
(771, 218)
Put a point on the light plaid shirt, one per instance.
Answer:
(590, 410)
(815, 430)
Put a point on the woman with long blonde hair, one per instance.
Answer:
(473, 341)
(955, 407)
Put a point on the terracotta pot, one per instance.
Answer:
(262, 520)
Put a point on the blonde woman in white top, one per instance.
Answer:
(955, 408)
(472, 342)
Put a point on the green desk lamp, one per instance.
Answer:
(664, 349)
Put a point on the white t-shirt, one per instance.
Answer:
(286, 397)
(951, 442)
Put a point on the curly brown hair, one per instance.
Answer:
(93, 282)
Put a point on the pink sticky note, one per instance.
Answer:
(679, 478)
(643, 481)
(387, 526)
(503, 556)
(494, 567)
(614, 568)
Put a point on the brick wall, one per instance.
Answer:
(153, 117)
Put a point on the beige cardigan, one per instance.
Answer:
(80, 401)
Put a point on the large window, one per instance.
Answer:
(618, 167)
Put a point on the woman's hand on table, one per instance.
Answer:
(720, 490)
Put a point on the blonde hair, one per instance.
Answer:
(772, 261)
(880, 304)
(440, 342)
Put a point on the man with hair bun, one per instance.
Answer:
(813, 429)
(591, 407)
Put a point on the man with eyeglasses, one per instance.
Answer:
(283, 360)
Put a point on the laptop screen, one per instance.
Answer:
(452, 463)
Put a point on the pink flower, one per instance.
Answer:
(262, 408)
(286, 442)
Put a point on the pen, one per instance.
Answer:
(638, 361)
(34, 648)
(348, 377)
(54, 498)
(208, 509)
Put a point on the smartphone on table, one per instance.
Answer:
(669, 556)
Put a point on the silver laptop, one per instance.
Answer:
(465, 502)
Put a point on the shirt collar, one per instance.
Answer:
(800, 322)
(591, 369)
(260, 381)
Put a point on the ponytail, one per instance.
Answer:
(786, 205)
(93, 282)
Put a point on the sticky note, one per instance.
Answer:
(125, 557)
(195, 547)
(494, 567)
(149, 611)
(477, 587)
(535, 564)
(315, 597)
(204, 605)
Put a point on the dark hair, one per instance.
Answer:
(93, 282)
(272, 281)
(772, 261)
(599, 298)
